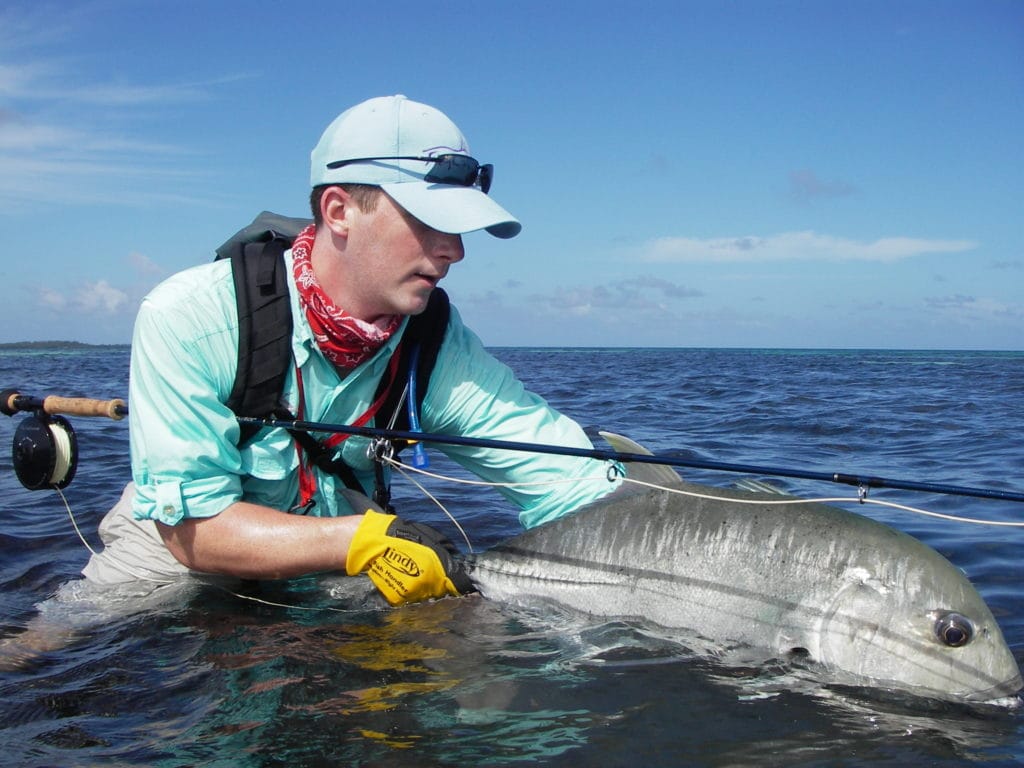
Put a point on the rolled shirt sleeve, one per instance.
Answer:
(185, 458)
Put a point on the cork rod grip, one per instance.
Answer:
(85, 406)
(11, 401)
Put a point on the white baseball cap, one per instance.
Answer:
(419, 158)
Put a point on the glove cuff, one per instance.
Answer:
(368, 541)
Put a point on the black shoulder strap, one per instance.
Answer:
(264, 314)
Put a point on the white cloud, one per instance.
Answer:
(96, 299)
(52, 299)
(100, 298)
(795, 246)
(144, 266)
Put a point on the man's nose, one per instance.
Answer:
(447, 247)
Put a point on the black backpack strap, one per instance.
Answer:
(264, 330)
(264, 314)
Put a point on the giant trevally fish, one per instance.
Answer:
(867, 604)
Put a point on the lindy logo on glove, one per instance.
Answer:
(401, 562)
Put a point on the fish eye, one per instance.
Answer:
(954, 630)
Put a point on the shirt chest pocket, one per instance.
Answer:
(270, 458)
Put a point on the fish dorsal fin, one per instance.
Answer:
(656, 474)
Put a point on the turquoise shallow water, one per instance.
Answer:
(209, 678)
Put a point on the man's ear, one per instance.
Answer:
(335, 208)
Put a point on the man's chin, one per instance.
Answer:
(417, 303)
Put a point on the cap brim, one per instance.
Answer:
(453, 209)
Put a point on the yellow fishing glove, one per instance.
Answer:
(407, 562)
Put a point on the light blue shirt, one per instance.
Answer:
(186, 462)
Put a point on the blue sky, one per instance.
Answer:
(752, 174)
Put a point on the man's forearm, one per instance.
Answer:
(255, 542)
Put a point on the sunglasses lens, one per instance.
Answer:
(486, 177)
(461, 170)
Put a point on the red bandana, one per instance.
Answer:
(345, 340)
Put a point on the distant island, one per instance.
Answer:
(63, 345)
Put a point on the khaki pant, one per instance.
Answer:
(132, 549)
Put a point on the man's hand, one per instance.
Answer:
(407, 562)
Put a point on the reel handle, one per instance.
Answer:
(11, 402)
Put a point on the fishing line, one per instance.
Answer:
(63, 455)
(827, 500)
(943, 516)
(863, 499)
(71, 516)
(288, 606)
(490, 484)
(116, 564)
(429, 495)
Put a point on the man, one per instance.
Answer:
(393, 190)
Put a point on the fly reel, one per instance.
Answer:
(45, 452)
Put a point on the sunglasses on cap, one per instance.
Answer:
(461, 170)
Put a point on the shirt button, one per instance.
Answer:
(168, 510)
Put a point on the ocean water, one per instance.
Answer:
(208, 676)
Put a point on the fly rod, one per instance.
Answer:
(865, 481)
(42, 446)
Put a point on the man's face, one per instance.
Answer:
(395, 260)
